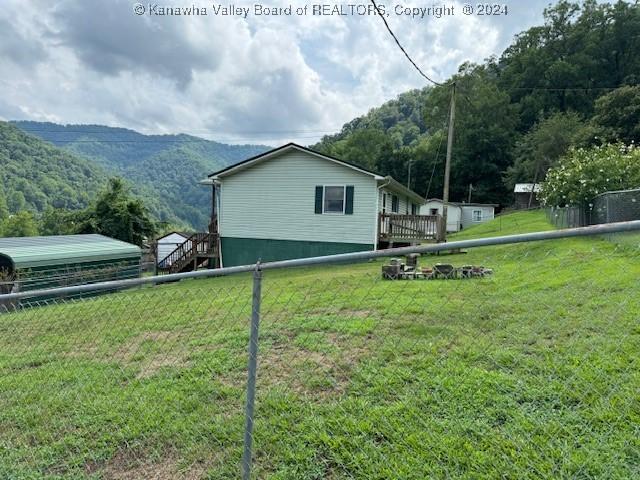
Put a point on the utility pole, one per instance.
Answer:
(470, 188)
(447, 166)
(409, 176)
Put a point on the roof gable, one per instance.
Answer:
(276, 152)
(184, 235)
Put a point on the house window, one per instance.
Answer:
(433, 211)
(414, 209)
(395, 204)
(477, 215)
(333, 200)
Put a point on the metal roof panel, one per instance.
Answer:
(27, 252)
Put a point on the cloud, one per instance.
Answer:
(109, 38)
(17, 45)
(266, 79)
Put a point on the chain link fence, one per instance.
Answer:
(569, 217)
(530, 371)
(619, 206)
(608, 207)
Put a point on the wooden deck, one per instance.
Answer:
(394, 227)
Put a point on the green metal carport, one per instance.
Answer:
(29, 263)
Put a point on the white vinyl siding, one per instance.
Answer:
(404, 204)
(275, 199)
(453, 214)
(486, 213)
(168, 244)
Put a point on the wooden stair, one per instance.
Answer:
(196, 251)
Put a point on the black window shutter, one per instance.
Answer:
(348, 207)
(319, 192)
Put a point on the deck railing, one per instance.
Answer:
(198, 244)
(398, 227)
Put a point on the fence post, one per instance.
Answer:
(253, 365)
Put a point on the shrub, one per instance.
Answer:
(586, 172)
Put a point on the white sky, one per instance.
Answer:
(237, 80)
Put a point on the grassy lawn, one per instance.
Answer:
(530, 373)
(510, 224)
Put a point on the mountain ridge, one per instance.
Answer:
(163, 169)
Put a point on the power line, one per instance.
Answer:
(401, 47)
(435, 162)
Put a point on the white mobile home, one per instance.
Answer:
(293, 202)
(460, 215)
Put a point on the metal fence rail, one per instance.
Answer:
(530, 372)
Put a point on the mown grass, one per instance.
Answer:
(510, 224)
(531, 373)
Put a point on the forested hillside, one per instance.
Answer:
(35, 175)
(569, 82)
(163, 169)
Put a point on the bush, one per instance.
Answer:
(586, 172)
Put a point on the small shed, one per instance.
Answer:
(454, 212)
(30, 263)
(526, 195)
(460, 215)
(474, 213)
(168, 243)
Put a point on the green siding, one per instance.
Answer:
(245, 251)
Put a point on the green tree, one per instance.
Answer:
(586, 172)
(16, 201)
(56, 221)
(115, 213)
(543, 145)
(22, 224)
(485, 133)
(4, 210)
(617, 115)
(364, 147)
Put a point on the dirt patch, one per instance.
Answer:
(136, 345)
(308, 372)
(149, 351)
(150, 367)
(153, 351)
(126, 465)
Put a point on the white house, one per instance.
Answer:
(293, 202)
(460, 215)
(168, 243)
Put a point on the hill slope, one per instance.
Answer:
(164, 169)
(34, 174)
